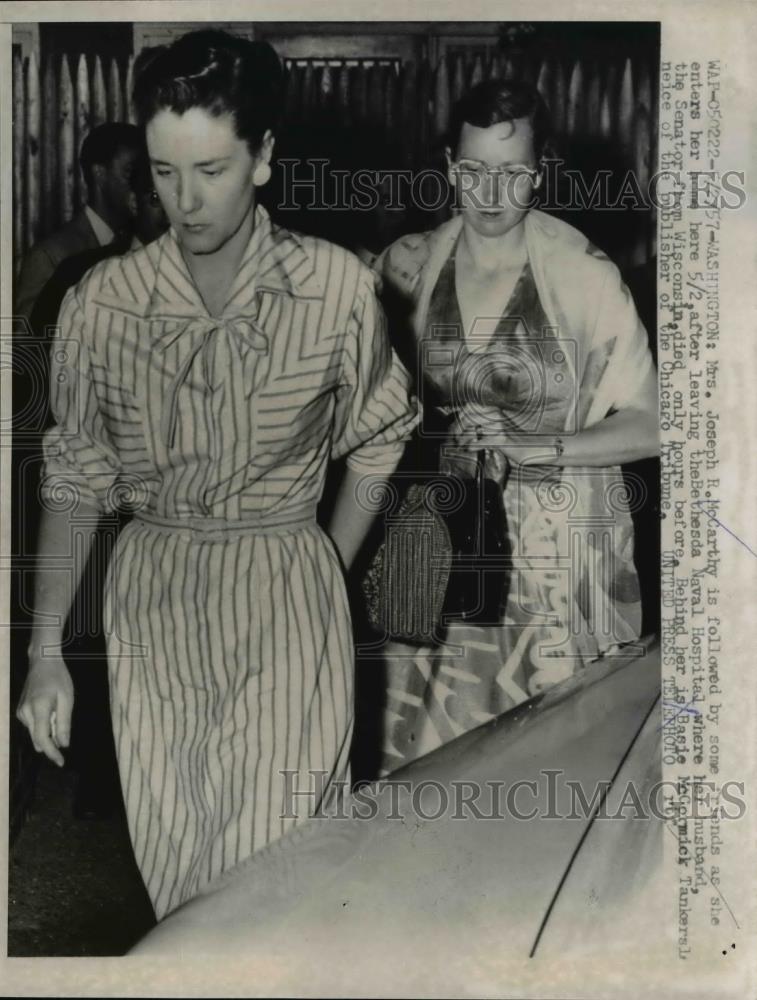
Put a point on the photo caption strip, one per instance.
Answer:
(701, 188)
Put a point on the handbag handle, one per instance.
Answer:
(480, 477)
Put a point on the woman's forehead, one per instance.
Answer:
(195, 129)
(505, 142)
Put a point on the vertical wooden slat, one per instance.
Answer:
(641, 145)
(441, 97)
(625, 107)
(495, 67)
(33, 139)
(594, 101)
(641, 165)
(359, 95)
(50, 206)
(326, 87)
(375, 92)
(292, 92)
(390, 100)
(574, 113)
(508, 68)
(607, 110)
(559, 97)
(19, 155)
(99, 98)
(343, 87)
(83, 118)
(309, 91)
(458, 80)
(544, 82)
(644, 93)
(115, 111)
(408, 115)
(478, 71)
(424, 106)
(128, 103)
(66, 141)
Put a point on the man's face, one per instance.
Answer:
(115, 187)
(151, 221)
(203, 174)
(492, 206)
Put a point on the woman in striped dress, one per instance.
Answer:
(207, 379)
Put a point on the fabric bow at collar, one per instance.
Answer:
(203, 334)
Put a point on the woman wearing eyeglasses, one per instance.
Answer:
(537, 382)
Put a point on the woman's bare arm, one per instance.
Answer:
(47, 698)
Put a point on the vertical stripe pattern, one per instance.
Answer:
(229, 637)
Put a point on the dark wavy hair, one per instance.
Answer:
(222, 74)
(495, 101)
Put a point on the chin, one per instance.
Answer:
(200, 243)
(496, 224)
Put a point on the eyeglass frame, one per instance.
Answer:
(493, 172)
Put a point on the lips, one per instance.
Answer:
(195, 227)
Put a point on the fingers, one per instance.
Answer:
(42, 730)
(38, 717)
(473, 425)
(63, 710)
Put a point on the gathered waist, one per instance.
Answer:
(222, 529)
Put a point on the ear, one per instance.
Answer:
(266, 146)
(99, 172)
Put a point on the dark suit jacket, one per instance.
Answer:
(44, 257)
(67, 274)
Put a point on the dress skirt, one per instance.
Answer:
(231, 672)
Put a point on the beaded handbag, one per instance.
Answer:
(428, 570)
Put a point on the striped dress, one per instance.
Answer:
(229, 637)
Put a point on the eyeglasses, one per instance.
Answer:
(479, 172)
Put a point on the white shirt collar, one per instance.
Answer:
(102, 230)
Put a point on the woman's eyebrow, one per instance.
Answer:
(213, 162)
(506, 163)
(201, 163)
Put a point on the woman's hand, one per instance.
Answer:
(48, 696)
(488, 427)
(627, 435)
(45, 706)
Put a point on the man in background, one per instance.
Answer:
(106, 158)
(147, 221)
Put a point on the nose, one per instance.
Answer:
(186, 195)
(490, 189)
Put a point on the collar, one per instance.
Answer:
(545, 236)
(275, 260)
(100, 227)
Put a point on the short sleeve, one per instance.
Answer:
(81, 463)
(619, 361)
(375, 415)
